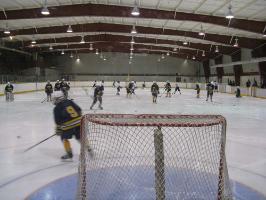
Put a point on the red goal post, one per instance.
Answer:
(173, 147)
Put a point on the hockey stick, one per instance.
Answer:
(162, 93)
(44, 100)
(38, 143)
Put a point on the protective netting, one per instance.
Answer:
(153, 157)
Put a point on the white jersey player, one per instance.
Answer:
(118, 87)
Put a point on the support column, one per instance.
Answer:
(257, 53)
(238, 69)
(159, 165)
(219, 70)
(206, 67)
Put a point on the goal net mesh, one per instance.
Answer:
(153, 157)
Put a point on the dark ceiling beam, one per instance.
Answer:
(120, 38)
(103, 27)
(112, 44)
(117, 47)
(123, 11)
(106, 50)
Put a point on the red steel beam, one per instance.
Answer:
(176, 55)
(123, 11)
(121, 47)
(244, 42)
(120, 38)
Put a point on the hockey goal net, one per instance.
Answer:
(153, 157)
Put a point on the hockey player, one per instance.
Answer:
(9, 92)
(198, 90)
(118, 87)
(128, 91)
(215, 86)
(98, 93)
(67, 116)
(68, 88)
(64, 88)
(238, 92)
(130, 88)
(154, 91)
(57, 86)
(177, 88)
(143, 85)
(168, 89)
(209, 88)
(49, 90)
(134, 86)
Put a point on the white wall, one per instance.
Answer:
(118, 63)
(51, 74)
(212, 70)
(27, 87)
(230, 69)
(246, 55)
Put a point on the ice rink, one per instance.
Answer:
(26, 121)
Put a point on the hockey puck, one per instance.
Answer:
(18, 137)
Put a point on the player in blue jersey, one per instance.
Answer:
(67, 116)
(98, 93)
(9, 92)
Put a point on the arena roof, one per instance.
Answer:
(162, 26)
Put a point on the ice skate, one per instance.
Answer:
(67, 156)
(90, 151)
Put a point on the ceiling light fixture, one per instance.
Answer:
(51, 47)
(96, 51)
(82, 41)
(78, 59)
(185, 42)
(168, 54)
(45, 10)
(71, 55)
(230, 14)
(133, 31)
(10, 37)
(201, 33)
(62, 52)
(6, 31)
(135, 10)
(132, 41)
(236, 43)
(193, 57)
(163, 56)
(91, 47)
(69, 29)
(203, 53)
(33, 41)
(216, 49)
(175, 49)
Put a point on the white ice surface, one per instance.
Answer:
(26, 121)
